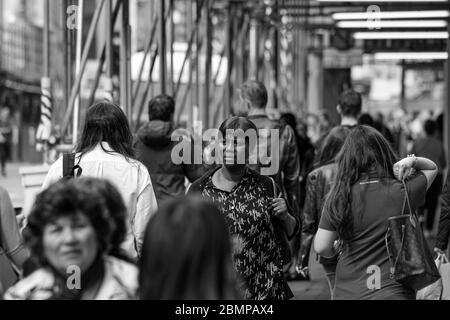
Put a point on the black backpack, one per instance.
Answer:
(70, 170)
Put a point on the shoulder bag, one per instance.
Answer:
(410, 257)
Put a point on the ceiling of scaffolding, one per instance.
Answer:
(376, 26)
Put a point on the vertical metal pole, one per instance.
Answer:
(125, 72)
(227, 108)
(190, 22)
(196, 57)
(46, 38)
(109, 49)
(402, 85)
(162, 46)
(172, 40)
(208, 53)
(447, 98)
(254, 44)
(76, 108)
(69, 46)
(65, 52)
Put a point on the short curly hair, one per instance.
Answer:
(67, 198)
(161, 107)
(255, 92)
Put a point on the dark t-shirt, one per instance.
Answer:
(363, 268)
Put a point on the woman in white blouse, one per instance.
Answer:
(105, 151)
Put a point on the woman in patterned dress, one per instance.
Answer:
(252, 213)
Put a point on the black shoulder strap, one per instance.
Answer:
(69, 166)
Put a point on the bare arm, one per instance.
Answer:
(403, 168)
(324, 243)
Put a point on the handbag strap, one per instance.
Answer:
(386, 240)
(406, 199)
(397, 258)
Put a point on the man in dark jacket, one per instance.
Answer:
(153, 146)
(253, 97)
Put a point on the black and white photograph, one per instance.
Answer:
(227, 158)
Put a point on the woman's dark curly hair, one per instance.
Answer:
(102, 188)
(67, 198)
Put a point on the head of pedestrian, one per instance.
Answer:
(429, 127)
(349, 106)
(365, 153)
(103, 189)
(161, 108)
(187, 254)
(253, 95)
(239, 142)
(107, 125)
(332, 145)
(70, 231)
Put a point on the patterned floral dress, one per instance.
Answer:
(256, 252)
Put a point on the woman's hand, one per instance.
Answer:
(404, 168)
(279, 207)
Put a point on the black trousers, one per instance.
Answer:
(4, 154)
(431, 202)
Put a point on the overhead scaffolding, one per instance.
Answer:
(201, 61)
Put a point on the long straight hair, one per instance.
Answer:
(364, 150)
(106, 122)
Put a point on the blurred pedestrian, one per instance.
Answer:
(253, 95)
(5, 138)
(256, 215)
(187, 254)
(13, 253)
(70, 232)
(319, 182)
(154, 145)
(431, 147)
(349, 107)
(105, 151)
(367, 119)
(366, 193)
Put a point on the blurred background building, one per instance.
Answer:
(306, 52)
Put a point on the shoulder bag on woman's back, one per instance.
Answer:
(409, 254)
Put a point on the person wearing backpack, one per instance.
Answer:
(105, 151)
(258, 217)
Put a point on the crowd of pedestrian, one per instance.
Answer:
(120, 219)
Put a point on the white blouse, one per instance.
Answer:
(132, 180)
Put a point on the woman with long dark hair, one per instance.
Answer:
(365, 194)
(318, 184)
(187, 254)
(105, 151)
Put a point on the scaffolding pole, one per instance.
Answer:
(208, 54)
(77, 83)
(227, 109)
(125, 57)
(107, 52)
(162, 46)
